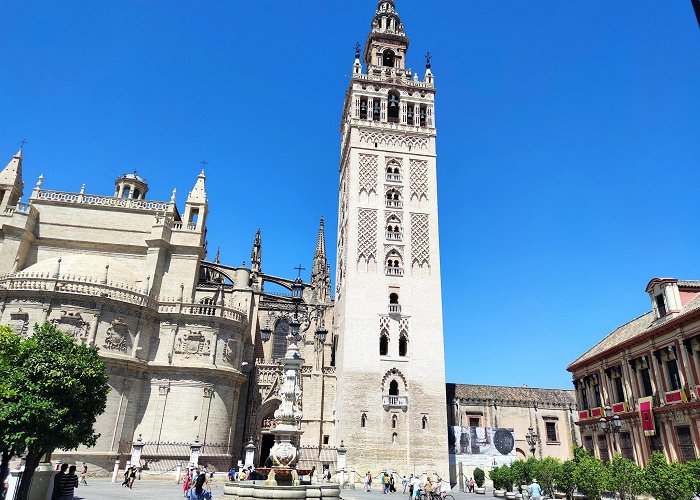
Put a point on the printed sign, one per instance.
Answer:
(481, 446)
(646, 415)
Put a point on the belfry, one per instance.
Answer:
(390, 409)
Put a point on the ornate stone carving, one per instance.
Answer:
(393, 140)
(420, 240)
(72, 324)
(419, 180)
(163, 390)
(117, 335)
(192, 344)
(19, 322)
(230, 350)
(208, 392)
(368, 173)
(367, 230)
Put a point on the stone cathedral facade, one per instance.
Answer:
(181, 332)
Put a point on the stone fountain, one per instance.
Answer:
(283, 478)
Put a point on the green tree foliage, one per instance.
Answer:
(479, 477)
(546, 472)
(668, 481)
(520, 472)
(564, 479)
(496, 478)
(57, 390)
(625, 477)
(9, 350)
(590, 476)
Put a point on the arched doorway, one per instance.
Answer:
(266, 423)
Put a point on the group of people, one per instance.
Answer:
(196, 484)
(129, 477)
(66, 481)
(413, 485)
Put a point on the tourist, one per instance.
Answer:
(187, 482)
(327, 474)
(197, 492)
(392, 484)
(69, 482)
(415, 486)
(429, 486)
(132, 476)
(232, 474)
(365, 482)
(385, 482)
(525, 492)
(404, 483)
(442, 487)
(56, 492)
(535, 490)
(369, 481)
(471, 485)
(83, 475)
(125, 483)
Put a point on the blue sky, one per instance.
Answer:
(567, 140)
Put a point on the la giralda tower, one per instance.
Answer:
(390, 404)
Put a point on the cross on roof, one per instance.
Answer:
(299, 270)
(21, 144)
(204, 163)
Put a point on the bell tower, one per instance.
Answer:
(390, 403)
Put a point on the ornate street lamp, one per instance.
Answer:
(610, 424)
(532, 439)
(266, 332)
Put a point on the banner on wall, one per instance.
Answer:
(646, 415)
(482, 446)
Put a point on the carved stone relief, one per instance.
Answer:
(72, 324)
(230, 350)
(117, 335)
(190, 343)
(19, 322)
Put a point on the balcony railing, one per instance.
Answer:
(394, 308)
(395, 402)
(394, 236)
(394, 204)
(394, 271)
(393, 177)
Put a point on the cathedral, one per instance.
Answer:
(192, 344)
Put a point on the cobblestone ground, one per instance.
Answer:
(103, 489)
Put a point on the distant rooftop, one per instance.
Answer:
(513, 394)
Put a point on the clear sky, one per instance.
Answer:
(568, 143)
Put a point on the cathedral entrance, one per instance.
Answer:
(265, 446)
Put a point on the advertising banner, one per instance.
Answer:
(481, 446)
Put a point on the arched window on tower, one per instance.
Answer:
(126, 192)
(423, 115)
(403, 345)
(394, 421)
(393, 388)
(393, 199)
(383, 344)
(424, 421)
(388, 58)
(363, 108)
(393, 298)
(393, 111)
(376, 110)
(410, 114)
(363, 420)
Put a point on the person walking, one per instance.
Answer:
(68, 484)
(197, 492)
(365, 482)
(415, 486)
(535, 490)
(83, 475)
(132, 477)
(56, 492)
(471, 485)
(187, 482)
(404, 483)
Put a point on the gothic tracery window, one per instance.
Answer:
(388, 58)
(383, 344)
(279, 344)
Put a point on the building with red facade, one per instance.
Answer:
(638, 389)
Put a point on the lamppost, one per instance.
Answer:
(532, 439)
(301, 314)
(610, 424)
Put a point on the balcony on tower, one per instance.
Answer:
(394, 203)
(400, 402)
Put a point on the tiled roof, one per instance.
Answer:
(637, 327)
(504, 393)
(689, 283)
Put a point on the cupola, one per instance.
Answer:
(130, 186)
(387, 43)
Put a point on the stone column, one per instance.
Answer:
(115, 472)
(93, 326)
(178, 473)
(341, 463)
(212, 349)
(136, 448)
(195, 450)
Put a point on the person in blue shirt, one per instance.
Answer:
(535, 490)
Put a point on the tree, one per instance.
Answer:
(496, 478)
(9, 350)
(590, 476)
(625, 477)
(479, 477)
(59, 388)
(668, 481)
(546, 470)
(564, 479)
(520, 472)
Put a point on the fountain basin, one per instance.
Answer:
(246, 490)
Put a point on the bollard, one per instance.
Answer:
(115, 472)
(178, 473)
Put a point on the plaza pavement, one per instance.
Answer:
(103, 489)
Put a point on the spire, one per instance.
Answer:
(320, 274)
(11, 184)
(387, 43)
(217, 258)
(256, 254)
(198, 193)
